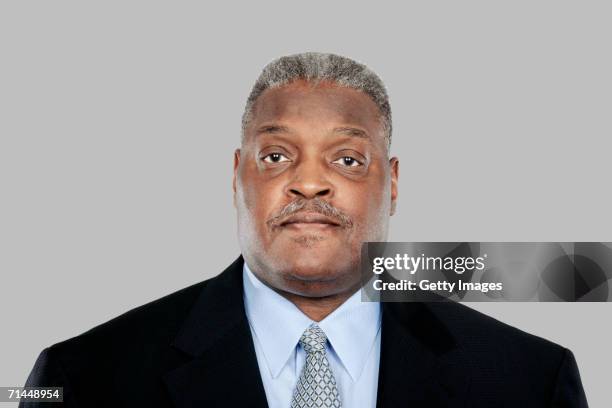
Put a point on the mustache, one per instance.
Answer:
(315, 205)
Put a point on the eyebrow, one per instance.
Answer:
(272, 129)
(351, 131)
(347, 130)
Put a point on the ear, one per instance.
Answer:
(235, 177)
(394, 169)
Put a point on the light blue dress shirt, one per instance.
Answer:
(353, 349)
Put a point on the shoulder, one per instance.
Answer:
(498, 353)
(135, 348)
(155, 322)
(147, 329)
(475, 330)
(493, 348)
(133, 345)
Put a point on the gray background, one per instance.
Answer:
(119, 119)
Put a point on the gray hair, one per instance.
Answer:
(314, 67)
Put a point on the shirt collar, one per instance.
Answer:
(278, 325)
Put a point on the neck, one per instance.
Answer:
(317, 309)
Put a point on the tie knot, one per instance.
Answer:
(313, 340)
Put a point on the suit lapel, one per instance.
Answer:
(221, 367)
(420, 363)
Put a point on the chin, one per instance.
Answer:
(312, 272)
(310, 257)
(318, 274)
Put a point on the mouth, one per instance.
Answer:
(309, 220)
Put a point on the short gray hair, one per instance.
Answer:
(314, 67)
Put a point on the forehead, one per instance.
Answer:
(324, 104)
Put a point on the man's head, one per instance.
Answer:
(313, 179)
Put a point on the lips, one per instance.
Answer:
(309, 218)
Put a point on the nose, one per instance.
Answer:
(309, 181)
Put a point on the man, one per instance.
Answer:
(283, 326)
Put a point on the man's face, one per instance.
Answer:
(312, 182)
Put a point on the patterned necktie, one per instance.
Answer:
(316, 386)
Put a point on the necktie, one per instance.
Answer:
(316, 386)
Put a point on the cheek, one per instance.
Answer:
(365, 199)
(368, 204)
(261, 198)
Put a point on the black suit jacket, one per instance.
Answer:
(194, 348)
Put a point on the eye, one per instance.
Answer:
(275, 158)
(348, 161)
